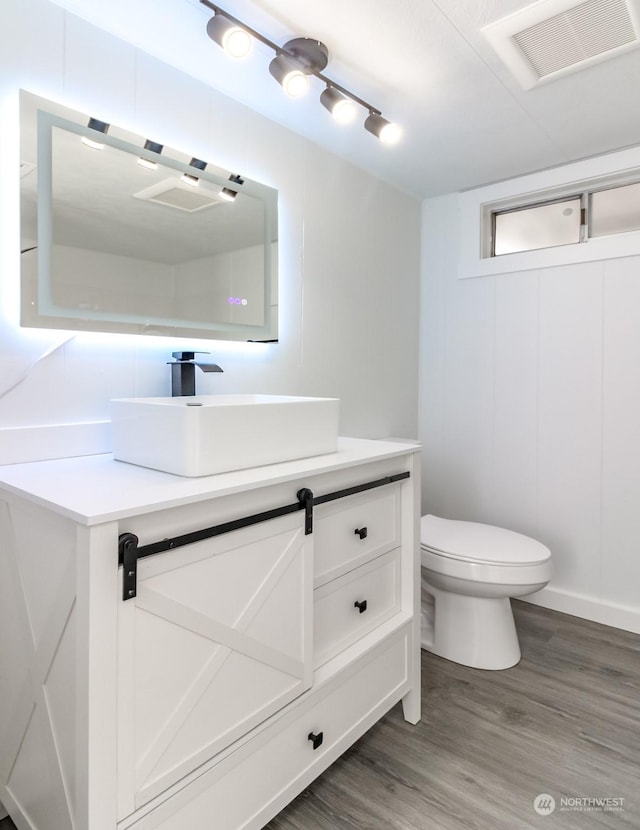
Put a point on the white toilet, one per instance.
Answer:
(469, 571)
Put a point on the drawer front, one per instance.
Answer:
(354, 604)
(256, 782)
(350, 531)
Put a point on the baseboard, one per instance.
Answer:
(589, 608)
(48, 441)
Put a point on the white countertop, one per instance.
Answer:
(95, 488)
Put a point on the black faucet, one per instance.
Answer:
(183, 372)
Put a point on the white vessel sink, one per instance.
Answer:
(206, 434)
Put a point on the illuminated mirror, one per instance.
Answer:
(122, 234)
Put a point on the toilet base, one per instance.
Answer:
(478, 632)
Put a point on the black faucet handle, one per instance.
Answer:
(186, 355)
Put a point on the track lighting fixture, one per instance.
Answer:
(235, 40)
(153, 147)
(99, 127)
(189, 178)
(292, 67)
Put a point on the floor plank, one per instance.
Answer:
(564, 721)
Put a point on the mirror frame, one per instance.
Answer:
(47, 314)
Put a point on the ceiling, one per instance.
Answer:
(424, 63)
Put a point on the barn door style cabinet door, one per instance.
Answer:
(217, 639)
(193, 653)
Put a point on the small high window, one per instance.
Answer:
(540, 226)
(570, 220)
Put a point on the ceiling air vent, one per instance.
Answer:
(174, 194)
(554, 37)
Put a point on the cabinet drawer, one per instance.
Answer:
(259, 779)
(347, 608)
(352, 530)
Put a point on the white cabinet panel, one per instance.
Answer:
(217, 639)
(269, 770)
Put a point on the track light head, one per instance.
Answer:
(298, 58)
(99, 127)
(387, 132)
(235, 40)
(289, 75)
(228, 195)
(343, 109)
(152, 147)
(189, 178)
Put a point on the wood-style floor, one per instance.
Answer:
(564, 721)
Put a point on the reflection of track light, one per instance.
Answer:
(343, 109)
(235, 40)
(153, 147)
(228, 195)
(189, 178)
(387, 132)
(289, 75)
(99, 127)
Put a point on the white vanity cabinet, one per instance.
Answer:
(193, 652)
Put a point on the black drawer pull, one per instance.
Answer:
(316, 739)
(361, 532)
(361, 606)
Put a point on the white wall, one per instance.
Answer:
(530, 412)
(349, 246)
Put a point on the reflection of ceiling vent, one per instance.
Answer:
(554, 37)
(175, 194)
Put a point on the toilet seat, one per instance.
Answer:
(481, 544)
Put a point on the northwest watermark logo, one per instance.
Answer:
(545, 804)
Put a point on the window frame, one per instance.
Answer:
(586, 213)
(475, 208)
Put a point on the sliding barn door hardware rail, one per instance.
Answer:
(129, 551)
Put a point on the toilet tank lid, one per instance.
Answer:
(480, 542)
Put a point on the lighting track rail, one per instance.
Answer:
(291, 67)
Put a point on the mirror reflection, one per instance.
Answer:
(119, 233)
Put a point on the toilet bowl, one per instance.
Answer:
(469, 572)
